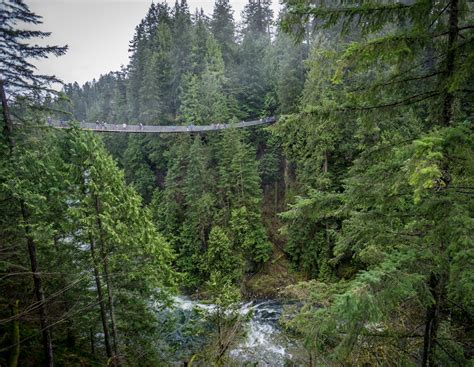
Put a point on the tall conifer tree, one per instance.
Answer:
(404, 75)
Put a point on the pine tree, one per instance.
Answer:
(200, 209)
(223, 30)
(135, 71)
(239, 183)
(139, 171)
(181, 49)
(33, 198)
(19, 78)
(169, 204)
(199, 41)
(130, 260)
(319, 147)
(290, 73)
(190, 101)
(221, 258)
(252, 77)
(224, 266)
(400, 83)
(258, 16)
(119, 98)
(214, 102)
(18, 74)
(157, 78)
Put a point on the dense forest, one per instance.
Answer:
(355, 209)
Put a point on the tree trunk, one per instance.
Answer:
(325, 164)
(436, 283)
(111, 307)
(103, 312)
(276, 196)
(220, 343)
(108, 282)
(8, 127)
(450, 60)
(286, 175)
(432, 322)
(46, 331)
(328, 252)
(70, 335)
(92, 342)
(15, 340)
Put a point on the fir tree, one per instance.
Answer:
(19, 78)
(398, 192)
(214, 102)
(181, 49)
(200, 208)
(258, 16)
(190, 108)
(122, 241)
(223, 30)
(239, 183)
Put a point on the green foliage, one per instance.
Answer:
(190, 70)
(388, 135)
(249, 235)
(370, 162)
(109, 213)
(221, 258)
(223, 29)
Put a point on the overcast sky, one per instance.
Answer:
(97, 33)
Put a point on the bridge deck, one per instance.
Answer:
(157, 129)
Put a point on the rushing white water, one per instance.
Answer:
(265, 344)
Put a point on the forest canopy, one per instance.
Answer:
(355, 208)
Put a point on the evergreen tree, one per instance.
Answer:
(119, 98)
(155, 105)
(290, 73)
(239, 183)
(223, 30)
(399, 197)
(170, 203)
(19, 78)
(214, 102)
(200, 34)
(224, 266)
(221, 258)
(181, 49)
(190, 106)
(254, 86)
(33, 181)
(139, 171)
(18, 74)
(136, 71)
(200, 202)
(126, 250)
(258, 16)
(320, 148)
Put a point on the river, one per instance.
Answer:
(265, 342)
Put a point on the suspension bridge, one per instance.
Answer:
(158, 129)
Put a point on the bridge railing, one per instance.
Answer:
(124, 128)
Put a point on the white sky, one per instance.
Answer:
(97, 33)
